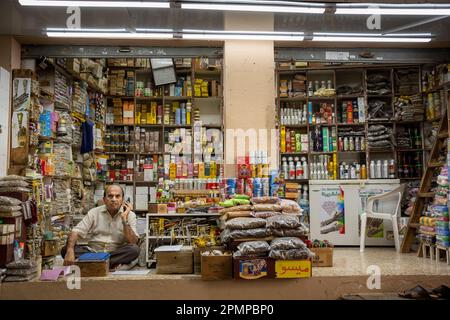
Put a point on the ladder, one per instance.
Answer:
(425, 184)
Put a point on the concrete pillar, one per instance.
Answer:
(249, 90)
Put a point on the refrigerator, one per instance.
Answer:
(336, 206)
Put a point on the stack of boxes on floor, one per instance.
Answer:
(434, 225)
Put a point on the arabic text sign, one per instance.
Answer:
(293, 268)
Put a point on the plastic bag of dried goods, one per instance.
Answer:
(290, 206)
(286, 243)
(291, 254)
(265, 200)
(266, 207)
(14, 183)
(245, 223)
(253, 247)
(283, 222)
(228, 234)
(265, 214)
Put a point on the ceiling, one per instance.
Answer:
(28, 24)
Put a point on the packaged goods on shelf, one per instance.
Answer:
(407, 81)
(79, 97)
(120, 139)
(409, 165)
(62, 203)
(409, 108)
(323, 139)
(324, 167)
(64, 128)
(63, 159)
(293, 114)
(351, 139)
(379, 110)
(62, 93)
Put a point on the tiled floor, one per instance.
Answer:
(349, 262)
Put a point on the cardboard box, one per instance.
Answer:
(152, 208)
(217, 267)
(253, 268)
(93, 268)
(161, 208)
(197, 256)
(50, 248)
(292, 269)
(174, 262)
(323, 258)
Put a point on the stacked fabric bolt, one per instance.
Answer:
(14, 183)
(289, 248)
(380, 137)
(63, 159)
(408, 109)
(378, 84)
(21, 270)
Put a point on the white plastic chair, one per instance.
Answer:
(369, 213)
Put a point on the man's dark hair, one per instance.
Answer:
(113, 185)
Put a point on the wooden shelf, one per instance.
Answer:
(350, 96)
(299, 126)
(350, 152)
(408, 150)
(381, 151)
(425, 194)
(120, 125)
(325, 152)
(292, 99)
(212, 98)
(297, 180)
(148, 98)
(442, 135)
(120, 152)
(176, 98)
(379, 96)
(174, 126)
(120, 97)
(350, 124)
(149, 125)
(321, 98)
(322, 125)
(410, 178)
(208, 72)
(294, 153)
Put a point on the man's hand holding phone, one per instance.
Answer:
(126, 210)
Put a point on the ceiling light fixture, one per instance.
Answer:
(241, 35)
(96, 4)
(256, 6)
(368, 39)
(110, 34)
(393, 9)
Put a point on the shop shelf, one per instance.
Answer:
(292, 99)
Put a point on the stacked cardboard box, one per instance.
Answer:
(292, 190)
(117, 111)
(117, 83)
(128, 112)
(122, 62)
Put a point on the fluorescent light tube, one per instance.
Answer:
(253, 8)
(110, 35)
(86, 30)
(241, 35)
(393, 9)
(368, 39)
(97, 4)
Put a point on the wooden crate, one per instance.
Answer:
(93, 268)
(175, 262)
(197, 257)
(217, 267)
(50, 248)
